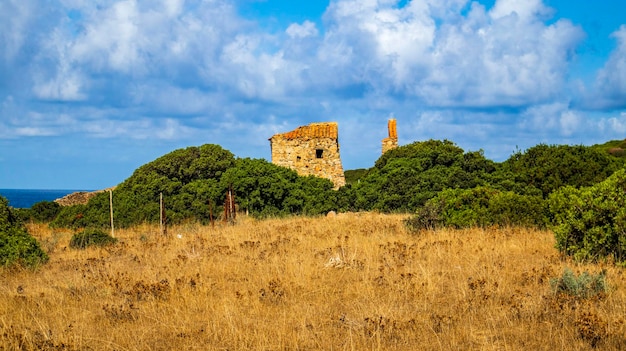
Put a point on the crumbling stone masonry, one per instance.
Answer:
(391, 142)
(310, 150)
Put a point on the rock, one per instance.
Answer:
(79, 197)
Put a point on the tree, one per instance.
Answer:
(17, 247)
(45, 211)
(549, 167)
(403, 179)
(188, 179)
(590, 222)
(265, 189)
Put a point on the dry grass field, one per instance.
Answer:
(350, 282)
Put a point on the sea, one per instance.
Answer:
(26, 198)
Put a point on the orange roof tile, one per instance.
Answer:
(313, 130)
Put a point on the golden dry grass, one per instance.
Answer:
(351, 282)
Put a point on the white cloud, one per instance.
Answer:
(112, 38)
(257, 74)
(33, 131)
(138, 129)
(378, 43)
(570, 122)
(508, 56)
(140, 39)
(525, 10)
(615, 125)
(426, 50)
(553, 119)
(15, 16)
(171, 129)
(165, 98)
(173, 7)
(504, 61)
(611, 79)
(61, 87)
(196, 71)
(306, 29)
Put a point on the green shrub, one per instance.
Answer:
(403, 179)
(45, 211)
(479, 207)
(583, 286)
(614, 148)
(590, 223)
(91, 237)
(353, 176)
(550, 167)
(42, 212)
(71, 217)
(17, 247)
(194, 182)
(264, 189)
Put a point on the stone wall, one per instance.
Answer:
(310, 150)
(391, 142)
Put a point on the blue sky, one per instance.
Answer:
(91, 90)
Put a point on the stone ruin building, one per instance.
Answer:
(314, 150)
(310, 150)
(391, 142)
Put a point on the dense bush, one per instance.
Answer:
(479, 207)
(44, 211)
(194, 182)
(550, 167)
(403, 179)
(354, 176)
(188, 179)
(73, 217)
(91, 237)
(264, 189)
(17, 247)
(590, 223)
(615, 148)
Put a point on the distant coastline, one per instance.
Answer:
(26, 198)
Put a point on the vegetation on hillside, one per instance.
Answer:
(194, 182)
(444, 185)
(479, 207)
(616, 148)
(265, 189)
(17, 247)
(550, 167)
(590, 223)
(354, 176)
(403, 179)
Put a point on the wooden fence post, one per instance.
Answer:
(162, 217)
(230, 211)
(111, 207)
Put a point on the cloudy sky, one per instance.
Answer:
(92, 89)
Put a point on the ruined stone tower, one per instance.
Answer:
(391, 142)
(310, 150)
